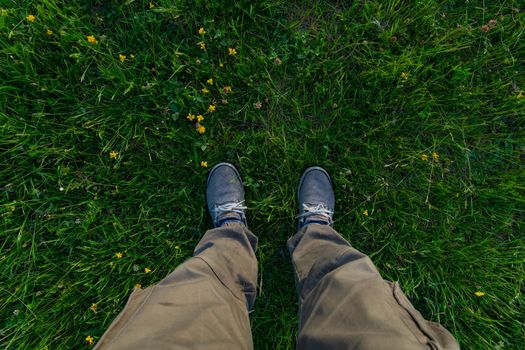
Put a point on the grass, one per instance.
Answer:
(366, 89)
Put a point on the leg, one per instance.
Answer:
(344, 302)
(203, 304)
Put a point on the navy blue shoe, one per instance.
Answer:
(315, 197)
(225, 195)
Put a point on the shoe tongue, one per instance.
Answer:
(228, 216)
(317, 217)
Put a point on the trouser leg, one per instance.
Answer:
(345, 304)
(203, 304)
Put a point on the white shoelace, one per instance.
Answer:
(318, 209)
(235, 207)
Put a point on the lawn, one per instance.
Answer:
(416, 108)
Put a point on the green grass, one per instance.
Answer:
(443, 228)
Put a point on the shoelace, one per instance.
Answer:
(318, 209)
(235, 207)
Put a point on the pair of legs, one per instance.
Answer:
(204, 303)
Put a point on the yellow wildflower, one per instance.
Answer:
(205, 90)
(121, 57)
(405, 75)
(204, 165)
(138, 286)
(151, 5)
(202, 31)
(201, 129)
(202, 45)
(210, 81)
(232, 51)
(12, 208)
(479, 294)
(119, 255)
(49, 32)
(190, 117)
(227, 89)
(147, 270)
(90, 340)
(92, 39)
(365, 212)
(221, 65)
(200, 118)
(211, 108)
(93, 307)
(435, 155)
(31, 18)
(113, 154)
(424, 157)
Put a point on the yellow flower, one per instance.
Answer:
(12, 208)
(435, 155)
(221, 65)
(365, 213)
(211, 108)
(93, 307)
(31, 18)
(232, 51)
(479, 294)
(49, 32)
(113, 154)
(202, 31)
(119, 255)
(138, 285)
(424, 157)
(201, 129)
(147, 270)
(202, 45)
(405, 75)
(121, 57)
(92, 39)
(90, 340)
(200, 118)
(190, 117)
(151, 5)
(205, 90)
(227, 89)
(210, 81)
(204, 165)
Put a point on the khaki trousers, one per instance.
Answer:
(204, 303)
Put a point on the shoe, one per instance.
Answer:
(225, 195)
(315, 197)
